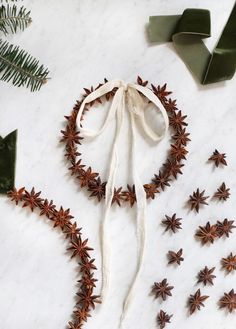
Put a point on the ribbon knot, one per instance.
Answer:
(128, 97)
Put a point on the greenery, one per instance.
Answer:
(16, 65)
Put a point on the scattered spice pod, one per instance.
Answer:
(79, 248)
(225, 228)
(162, 289)
(196, 301)
(222, 193)
(170, 170)
(218, 158)
(229, 263)
(207, 234)
(197, 199)
(163, 319)
(175, 257)
(172, 223)
(206, 276)
(228, 301)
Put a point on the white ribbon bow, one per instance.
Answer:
(136, 108)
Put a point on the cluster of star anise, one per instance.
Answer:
(79, 248)
(170, 170)
(208, 233)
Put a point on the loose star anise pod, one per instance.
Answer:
(86, 177)
(161, 92)
(182, 137)
(172, 167)
(47, 208)
(225, 227)
(205, 276)
(117, 196)
(207, 233)
(175, 257)
(172, 223)
(141, 82)
(161, 180)
(163, 318)
(229, 263)
(196, 301)
(177, 120)
(80, 248)
(218, 158)
(76, 167)
(222, 192)
(197, 199)
(150, 190)
(97, 188)
(70, 136)
(130, 195)
(31, 199)
(16, 195)
(228, 301)
(178, 152)
(162, 289)
(61, 218)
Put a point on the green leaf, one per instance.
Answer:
(17, 66)
(13, 19)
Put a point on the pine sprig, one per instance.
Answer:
(17, 66)
(13, 19)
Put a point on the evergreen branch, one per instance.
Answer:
(17, 66)
(12, 19)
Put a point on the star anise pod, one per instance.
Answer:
(87, 265)
(141, 82)
(97, 188)
(86, 177)
(206, 277)
(218, 158)
(182, 137)
(229, 263)
(225, 227)
(71, 152)
(172, 223)
(77, 167)
(175, 257)
(207, 233)
(88, 92)
(170, 105)
(47, 208)
(61, 218)
(130, 195)
(150, 190)
(82, 315)
(31, 199)
(178, 152)
(70, 136)
(88, 300)
(71, 230)
(117, 196)
(162, 289)
(88, 280)
(163, 318)
(80, 248)
(161, 92)
(16, 195)
(222, 192)
(228, 301)
(111, 93)
(197, 199)
(74, 325)
(161, 180)
(172, 167)
(196, 301)
(177, 120)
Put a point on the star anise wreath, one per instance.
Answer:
(196, 301)
(228, 301)
(77, 246)
(162, 289)
(163, 318)
(169, 170)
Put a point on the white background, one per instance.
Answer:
(82, 42)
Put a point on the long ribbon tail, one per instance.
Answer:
(141, 226)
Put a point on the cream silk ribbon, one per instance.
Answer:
(129, 94)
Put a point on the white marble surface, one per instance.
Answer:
(82, 42)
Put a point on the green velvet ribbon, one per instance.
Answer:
(186, 31)
(7, 161)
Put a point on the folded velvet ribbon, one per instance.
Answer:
(186, 31)
(128, 97)
(7, 162)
